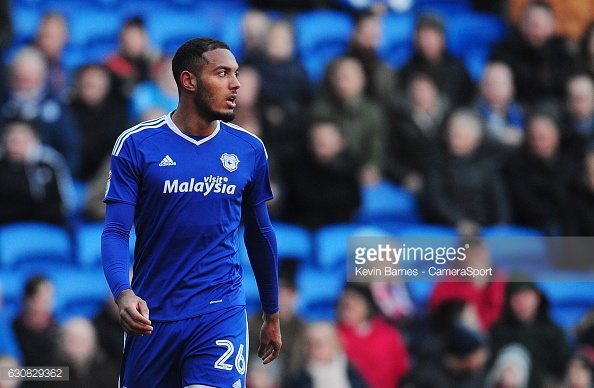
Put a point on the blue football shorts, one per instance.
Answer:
(210, 350)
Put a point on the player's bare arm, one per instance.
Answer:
(134, 314)
(270, 338)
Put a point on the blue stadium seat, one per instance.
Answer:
(79, 292)
(170, 29)
(330, 243)
(293, 241)
(25, 21)
(318, 292)
(320, 37)
(91, 25)
(87, 239)
(425, 237)
(396, 47)
(35, 245)
(471, 35)
(444, 8)
(517, 248)
(571, 295)
(230, 32)
(387, 202)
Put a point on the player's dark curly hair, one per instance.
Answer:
(190, 56)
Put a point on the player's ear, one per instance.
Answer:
(188, 80)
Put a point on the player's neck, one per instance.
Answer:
(192, 124)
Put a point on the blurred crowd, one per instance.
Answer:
(514, 147)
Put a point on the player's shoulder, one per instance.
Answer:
(140, 131)
(243, 134)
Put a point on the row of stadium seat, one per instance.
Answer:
(470, 35)
(26, 249)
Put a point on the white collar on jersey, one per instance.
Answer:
(175, 129)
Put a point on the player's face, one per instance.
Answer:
(217, 86)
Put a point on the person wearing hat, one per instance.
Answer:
(526, 321)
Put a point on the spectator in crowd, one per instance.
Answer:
(327, 365)
(78, 349)
(580, 369)
(262, 376)
(94, 207)
(372, 345)
(428, 345)
(8, 346)
(463, 364)
(51, 39)
(248, 113)
(464, 188)
(6, 34)
(432, 56)
(540, 174)
(511, 368)
(132, 62)
(322, 187)
(394, 301)
(293, 355)
(526, 321)
(282, 107)
(382, 80)
(486, 294)
(580, 220)
(159, 91)
(584, 330)
(586, 50)
(415, 132)
(580, 107)
(571, 16)
(110, 336)
(539, 58)
(36, 183)
(502, 114)
(100, 114)
(28, 98)
(7, 361)
(255, 25)
(35, 327)
(361, 119)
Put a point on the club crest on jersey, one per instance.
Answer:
(230, 161)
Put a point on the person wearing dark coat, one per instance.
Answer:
(464, 188)
(540, 59)
(100, 113)
(526, 321)
(540, 174)
(431, 56)
(322, 188)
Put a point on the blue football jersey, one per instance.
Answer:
(188, 194)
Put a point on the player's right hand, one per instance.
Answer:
(134, 314)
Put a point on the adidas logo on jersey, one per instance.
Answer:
(167, 161)
(237, 384)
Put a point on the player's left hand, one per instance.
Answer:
(270, 338)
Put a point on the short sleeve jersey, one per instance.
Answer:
(188, 194)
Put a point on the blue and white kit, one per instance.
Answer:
(186, 197)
